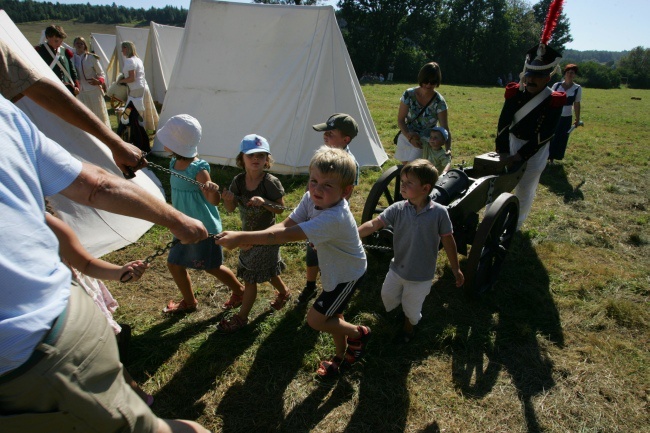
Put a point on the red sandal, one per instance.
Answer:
(280, 300)
(181, 307)
(229, 326)
(357, 346)
(331, 368)
(234, 302)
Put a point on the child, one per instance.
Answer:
(85, 269)
(338, 132)
(439, 157)
(323, 217)
(180, 136)
(258, 191)
(417, 220)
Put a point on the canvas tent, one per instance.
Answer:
(100, 232)
(104, 46)
(273, 70)
(162, 48)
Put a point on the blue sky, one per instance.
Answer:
(612, 25)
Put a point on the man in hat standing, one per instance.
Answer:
(528, 120)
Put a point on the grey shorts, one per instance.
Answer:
(75, 382)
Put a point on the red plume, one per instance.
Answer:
(554, 11)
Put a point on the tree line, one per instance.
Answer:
(474, 41)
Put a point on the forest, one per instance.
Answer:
(474, 41)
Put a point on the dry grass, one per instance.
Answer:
(561, 344)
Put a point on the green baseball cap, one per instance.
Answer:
(341, 121)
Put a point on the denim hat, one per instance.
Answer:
(254, 143)
(443, 131)
(341, 121)
(181, 134)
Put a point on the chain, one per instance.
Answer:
(195, 182)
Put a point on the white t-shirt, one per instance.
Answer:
(335, 236)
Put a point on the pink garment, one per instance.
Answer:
(97, 290)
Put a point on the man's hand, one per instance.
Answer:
(189, 230)
(128, 158)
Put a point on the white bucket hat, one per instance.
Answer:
(181, 134)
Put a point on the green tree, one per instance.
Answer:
(598, 76)
(636, 68)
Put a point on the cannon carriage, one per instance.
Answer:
(464, 192)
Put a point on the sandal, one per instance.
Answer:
(174, 307)
(234, 324)
(234, 302)
(331, 368)
(357, 346)
(280, 300)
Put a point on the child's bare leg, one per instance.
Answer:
(250, 294)
(279, 285)
(227, 277)
(134, 385)
(408, 326)
(312, 273)
(336, 326)
(183, 281)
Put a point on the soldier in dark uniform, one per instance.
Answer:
(528, 120)
(59, 59)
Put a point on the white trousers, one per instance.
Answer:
(527, 186)
(411, 294)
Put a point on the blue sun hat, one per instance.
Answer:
(441, 130)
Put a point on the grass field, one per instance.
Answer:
(560, 345)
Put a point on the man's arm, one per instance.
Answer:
(53, 98)
(97, 188)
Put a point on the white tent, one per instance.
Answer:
(271, 70)
(162, 48)
(100, 232)
(104, 46)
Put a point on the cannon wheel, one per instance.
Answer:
(384, 192)
(491, 244)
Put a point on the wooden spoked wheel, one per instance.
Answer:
(491, 244)
(383, 193)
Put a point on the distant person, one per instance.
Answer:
(131, 121)
(434, 153)
(180, 136)
(381, 78)
(420, 109)
(391, 70)
(58, 58)
(499, 81)
(419, 225)
(573, 92)
(338, 132)
(92, 80)
(59, 362)
(259, 197)
(323, 216)
(18, 79)
(528, 121)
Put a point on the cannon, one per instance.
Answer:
(464, 191)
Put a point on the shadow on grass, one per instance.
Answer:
(277, 361)
(555, 178)
(500, 331)
(208, 361)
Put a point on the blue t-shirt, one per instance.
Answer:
(188, 198)
(35, 283)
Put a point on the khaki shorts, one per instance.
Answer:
(76, 382)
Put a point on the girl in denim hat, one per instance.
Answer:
(180, 136)
(256, 193)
